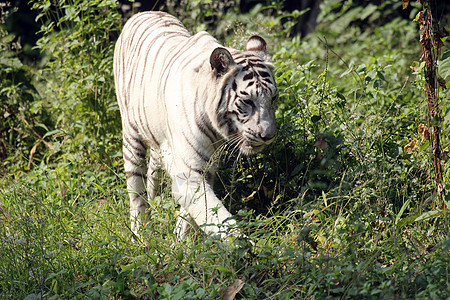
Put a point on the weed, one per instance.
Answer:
(339, 206)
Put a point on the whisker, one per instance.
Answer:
(238, 159)
(225, 145)
(234, 145)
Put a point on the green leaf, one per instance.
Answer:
(33, 297)
(7, 39)
(406, 221)
(444, 65)
(428, 214)
(223, 270)
(137, 262)
(99, 187)
(400, 213)
(346, 72)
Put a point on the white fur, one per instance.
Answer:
(165, 85)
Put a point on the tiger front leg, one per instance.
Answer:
(183, 225)
(135, 171)
(198, 201)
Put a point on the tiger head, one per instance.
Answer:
(246, 111)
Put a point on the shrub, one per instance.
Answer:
(77, 80)
(24, 117)
(339, 206)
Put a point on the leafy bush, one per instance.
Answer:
(339, 206)
(24, 118)
(78, 44)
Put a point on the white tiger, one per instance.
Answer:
(184, 96)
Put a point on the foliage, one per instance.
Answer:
(66, 235)
(78, 47)
(339, 206)
(24, 118)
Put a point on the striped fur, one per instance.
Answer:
(185, 97)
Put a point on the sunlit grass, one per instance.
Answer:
(339, 206)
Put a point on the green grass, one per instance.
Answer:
(336, 207)
(66, 235)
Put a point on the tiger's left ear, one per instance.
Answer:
(258, 46)
(221, 60)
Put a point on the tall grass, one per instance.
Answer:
(339, 206)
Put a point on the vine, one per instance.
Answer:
(431, 37)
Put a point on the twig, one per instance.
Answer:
(434, 117)
(48, 144)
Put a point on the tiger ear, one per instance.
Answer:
(221, 60)
(258, 46)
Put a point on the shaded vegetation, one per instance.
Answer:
(341, 205)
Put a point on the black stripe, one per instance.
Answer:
(263, 74)
(135, 161)
(133, 174)
(156, 54)
(205, 128)
(222, 98)
(204, 157)
(260, 65)
(129, 139)
(135, 151)
(204, 173)
(248, 76)
(240, 57)
(202, 122)
(229, 96)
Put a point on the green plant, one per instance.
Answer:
(339, 206)
(24, 117)
(77, 81)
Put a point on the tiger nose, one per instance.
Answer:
(268, 134)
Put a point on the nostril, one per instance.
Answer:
(267, 132)
(267, 136)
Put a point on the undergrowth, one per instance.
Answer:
(341, 205)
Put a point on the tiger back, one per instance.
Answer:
(185, 97)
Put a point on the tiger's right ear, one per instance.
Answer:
(221, 60)
(258, 46)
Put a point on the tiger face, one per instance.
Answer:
(250, 96)
(252, 111)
